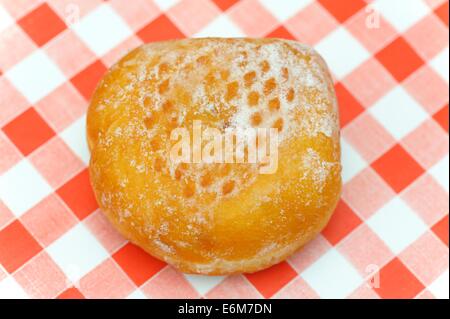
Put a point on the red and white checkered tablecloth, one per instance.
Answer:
(389, 235)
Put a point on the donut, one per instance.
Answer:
(228, 211)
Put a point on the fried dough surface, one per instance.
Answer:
(216, 218)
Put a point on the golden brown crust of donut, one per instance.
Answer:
(185, 215)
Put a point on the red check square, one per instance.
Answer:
(397, 168)
(78, 195)
(139, 265)
(349, 107)
(342, 222)
(399, 50)
(342, 11)
(17, 246)
(71, 293)
(269, 281)
(224, 5)
(397, 282)
(160, 29)
(281, 33)
(441, 117)
(442, 12)
(42, 24)
(441, 229)
(87, 80)
(28, 131)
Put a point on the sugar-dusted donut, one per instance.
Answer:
(216, 218)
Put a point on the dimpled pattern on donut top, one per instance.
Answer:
(216, 218)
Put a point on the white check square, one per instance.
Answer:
(440, 172)
(10, 289)
(439, 287)
(165, 4)
(102, 29)
(35, 76)
(332, 276)
(283, 10)
(77, 252)
(342, 52)
(75, 137)
(22, 187)
(5, 19)
(137, 294)
(440, 64)
(203, 284)
(399, 113)
(397, 225)
(221, 27)
(352, 162)
(401, 14)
